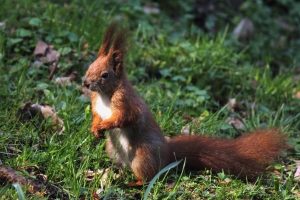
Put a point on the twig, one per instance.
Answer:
(35, 187)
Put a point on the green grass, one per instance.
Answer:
(184, 73)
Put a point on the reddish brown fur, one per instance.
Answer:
(247, 155)
(147, 150)
(107, 39)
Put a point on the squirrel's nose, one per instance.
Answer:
(86, 83)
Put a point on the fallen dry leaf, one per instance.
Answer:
(103, 173)
(49, 112)
(90, 175)
(40, 48)
(66, 80)
(232, 104)
(42, 111)
(226, 181)
(13, 149)
(236, 123)
(52, 56)
(27, 112)
(45, 54)
(63, 81)
(53, 68)
(186, 130)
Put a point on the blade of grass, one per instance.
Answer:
(19, 190)
(165, 169)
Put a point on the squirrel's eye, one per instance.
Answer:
(104, 75)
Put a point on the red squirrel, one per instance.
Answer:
(136, 140)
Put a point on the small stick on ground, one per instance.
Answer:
(9, 175)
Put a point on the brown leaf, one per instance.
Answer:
(236, 122)
(105, 174)
(53, 68)
(42, 111)
(49, 112)
(27, 112)
(52, 56)
(66, 80)
(45, 54)
(232, 104)
(186, 130)
(90, 175)
(63, 81)
(226, 181)
(13, 149)
(40, 48)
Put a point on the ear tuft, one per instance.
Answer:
(114, 40)
(114, 46)
(120, 41)
(108, 39)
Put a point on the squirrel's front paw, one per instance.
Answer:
(98, 133)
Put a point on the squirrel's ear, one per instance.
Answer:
(119, 44)
(117, 61)
(108, 39)
(118, 50)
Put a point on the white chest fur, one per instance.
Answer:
(124, 142)
(102, 106)
(120, 147)
(118, 137)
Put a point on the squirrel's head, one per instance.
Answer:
(106, 72)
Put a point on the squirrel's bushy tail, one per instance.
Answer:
(246, 156)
